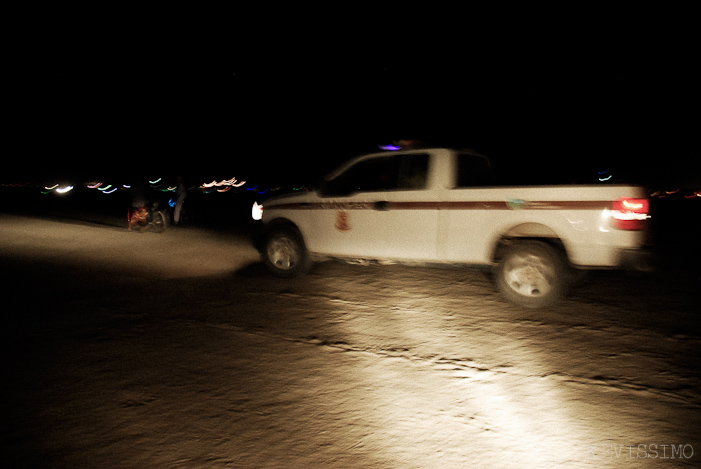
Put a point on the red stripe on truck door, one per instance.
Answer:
(450, 205)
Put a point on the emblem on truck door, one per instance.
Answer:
(516, 204)
(342, 221)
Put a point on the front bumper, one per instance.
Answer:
(257, 235)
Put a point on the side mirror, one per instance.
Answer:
(325, 189)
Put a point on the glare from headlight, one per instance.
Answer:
(257, 211)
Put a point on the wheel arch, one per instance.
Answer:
(523, 232)
(280, 221)
(284, 223)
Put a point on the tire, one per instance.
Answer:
(284, 253)
(532, 274)
(158, 222)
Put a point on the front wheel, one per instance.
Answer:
(531, 274)
(284, 253)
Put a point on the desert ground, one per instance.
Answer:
(179, 350)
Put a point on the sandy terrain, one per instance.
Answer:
(178, 350)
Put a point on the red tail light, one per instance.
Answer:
(630, 214)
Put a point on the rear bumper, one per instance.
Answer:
(640, 260)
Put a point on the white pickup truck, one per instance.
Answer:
(444, 206)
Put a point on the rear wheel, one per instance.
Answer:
(531, 274)
(284, 253)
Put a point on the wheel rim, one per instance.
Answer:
(529, 275)
(283, 253)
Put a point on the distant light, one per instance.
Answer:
(606, 178)
(51, 188)
(109, 191)
(224, 182)
(63, 190)
(390, 147)
(154, 182)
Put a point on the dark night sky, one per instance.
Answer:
(233, 99)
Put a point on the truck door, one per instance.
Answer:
(382, 208)
(471, 211)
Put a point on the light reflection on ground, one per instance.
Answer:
(179, 350)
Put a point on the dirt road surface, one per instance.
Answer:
(179, 350)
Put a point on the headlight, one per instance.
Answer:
(257, 211)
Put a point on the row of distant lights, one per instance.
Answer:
(224, 185)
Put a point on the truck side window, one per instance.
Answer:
(474, 171)
(377, 174)
(385, 173)
(412, 172)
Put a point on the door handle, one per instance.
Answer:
(381, 205)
